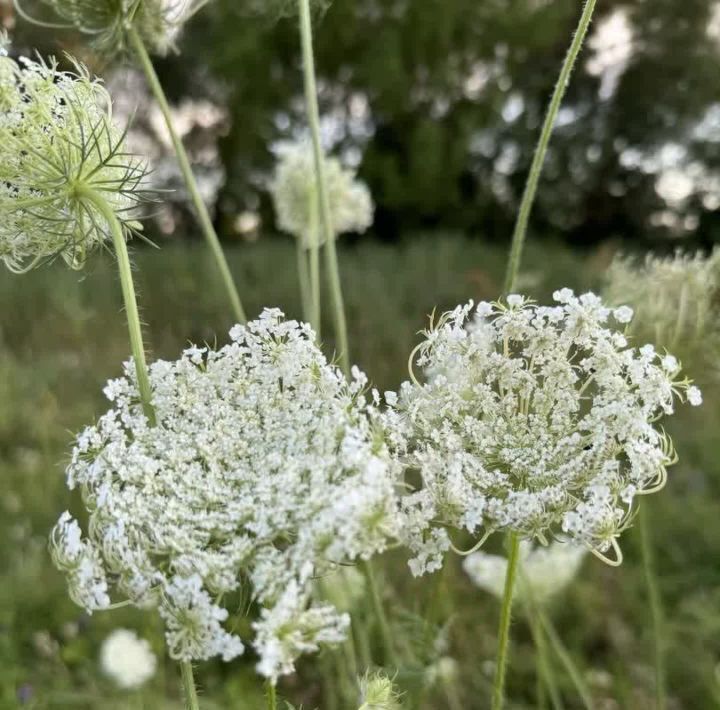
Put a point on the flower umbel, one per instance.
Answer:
(295, 195)
(264, 471)
(59, 153)
(536, 420)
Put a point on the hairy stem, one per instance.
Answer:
(191, 183)
(518, 240)
(656, 608)
(189, 689)
(498, 696)
(129, 298)
(326, 225)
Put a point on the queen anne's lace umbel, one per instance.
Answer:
(537, 420)
(58, 144)
(295, 196)
(264, 470)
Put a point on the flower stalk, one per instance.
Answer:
(129, 298)
(189, 689)
(326, 225)
(498, 696)
(528, 198)
(201, 209)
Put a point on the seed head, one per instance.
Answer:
(59, 147)
(676, 302)
(158, 22)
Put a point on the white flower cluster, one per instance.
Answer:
(294, 192)
(127, 659)
(676, 302)
(534, 420)
(158, 21)
(544, 570)
(58, 146)
(265, 469)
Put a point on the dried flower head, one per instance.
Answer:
(535, 420)
(59, 155)
(676, 302)
(127, 659)
(107, 21)
(544, 571)
(264, 471)
(295, 196)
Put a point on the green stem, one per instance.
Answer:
(545, 671)
(304, 279)
(314, 242)
(528, 197)
(380, 616)
(271, 695)
(331, 258)
(498, 697)
(564, 655)
(191, 183)
(128, 291)
(656, 608)
(189, 689)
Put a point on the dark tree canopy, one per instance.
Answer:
(440, 101)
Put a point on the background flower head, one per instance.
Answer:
(127, 659)
(295, 196)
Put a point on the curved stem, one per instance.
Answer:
(498, 697)
(564, 655)
(191, 183)
(323, 197)
(189, 689)
(271, 695)
(128, 291)
(528, 197)
(379, 611)
(656, 609)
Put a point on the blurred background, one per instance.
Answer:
(437, 104)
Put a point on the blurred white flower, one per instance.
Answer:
(127, 659)
(537, 420)
(611, 44)
(543, 571)
(295, 196)
(265, 469)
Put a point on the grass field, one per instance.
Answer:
(62, 336)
